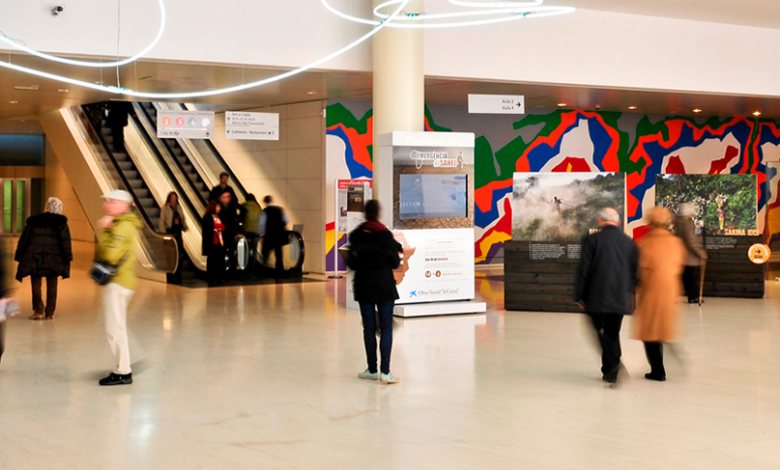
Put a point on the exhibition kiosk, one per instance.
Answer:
(425, 183)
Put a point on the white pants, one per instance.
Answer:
(115, 301)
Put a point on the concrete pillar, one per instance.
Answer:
(399, 94)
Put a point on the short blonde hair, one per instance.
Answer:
(659, 217)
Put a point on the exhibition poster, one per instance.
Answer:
(723, 204)
(562, 207)
(437, 265)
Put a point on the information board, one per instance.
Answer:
(251, 126)
(185, 124)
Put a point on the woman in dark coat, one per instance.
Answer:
(213, 245)
(373, 255)
(44, 251)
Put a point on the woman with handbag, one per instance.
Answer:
(172, 222)
(44, 251)
(373, 255)
(213, 243)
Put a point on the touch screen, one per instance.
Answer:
(433, 196)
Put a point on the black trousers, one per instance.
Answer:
(51, 295)
(378, 315)
(655, 356)
(607, 327)
(215, 265)
(118, 135)
(277, 249)
(175, 277)
(691, 279)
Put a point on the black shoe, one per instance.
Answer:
(611, 378)
(116, 379)
(656, 377)
(694, 301)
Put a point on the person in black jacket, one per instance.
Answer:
(273, 230)
(44, 251)
(373, 255)
(605, 285)
(117, 120)
(213, 243)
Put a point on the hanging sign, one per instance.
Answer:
(251, 126)
(496, 104)
(185, 124)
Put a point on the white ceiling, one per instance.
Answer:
(761, 13)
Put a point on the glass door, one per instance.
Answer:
(15, 201)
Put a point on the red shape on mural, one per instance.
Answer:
(573, 165)
(717, 166)
(675, 166)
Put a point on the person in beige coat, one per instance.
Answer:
(661, 261)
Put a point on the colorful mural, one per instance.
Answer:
(583, 141)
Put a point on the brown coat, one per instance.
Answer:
(661, 261)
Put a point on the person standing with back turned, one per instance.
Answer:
(605, 284)
(373, 255)
(117, 232)
(273, 229)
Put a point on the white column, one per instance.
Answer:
(399, 95)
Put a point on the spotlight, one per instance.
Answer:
(55, 11)
(756, 113)
(696, 110)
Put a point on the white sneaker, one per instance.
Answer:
(389, 378)
(368, 375)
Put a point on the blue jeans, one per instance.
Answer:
(378, 315)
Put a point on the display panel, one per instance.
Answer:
(433, 196)
(562, 207)
(723, 204)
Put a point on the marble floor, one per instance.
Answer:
(264, 377)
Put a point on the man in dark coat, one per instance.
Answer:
(373, 255)
(222, 187)
(605, 284)
(117, 119)
(44, 251)
(273, 229)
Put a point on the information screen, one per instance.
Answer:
(433, 196)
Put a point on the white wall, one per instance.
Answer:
(290, 169)
(586, 48)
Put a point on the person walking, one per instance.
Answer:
(172, 222)
(117, 232)
(373, 255)
(8, 305)
(223, 186)
(213, 243)
(251, 211)
(44, 251)
(695, 255)
(273, 229)
(605, 284)
(661, 260)
(117, 119)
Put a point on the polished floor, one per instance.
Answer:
(263, 377)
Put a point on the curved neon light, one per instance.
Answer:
(507, 11)
(85, 63)
(200, 94)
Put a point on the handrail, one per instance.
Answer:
(218, 156)
(176, 161)
(119, 171)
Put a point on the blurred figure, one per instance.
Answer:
(251, 211)
(172, 222)
(116, 120)
(6, 301)
(117, 232)
(44, 251)
(223, 186)
(273, 229)
(230, 214)
(605, 284)
(695, 254)
(213, 243)
(373, 255)
(661, 259)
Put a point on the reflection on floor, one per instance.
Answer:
(264, 377)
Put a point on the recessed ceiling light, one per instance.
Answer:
(756, 113)
(62, 90)
(13, 102)
(696, 110)
(27, 87)
(632, 107)
(311, 92)
(561, 105)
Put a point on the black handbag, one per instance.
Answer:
(102, 273)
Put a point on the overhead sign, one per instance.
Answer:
(185, 124)
(251, 126)
(496, 104)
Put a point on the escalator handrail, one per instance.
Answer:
(119, 170)
(167, 146)
(161, 161)
(225, 167)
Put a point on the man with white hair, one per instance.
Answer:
(117, 232)
(694, 252)
(604, 286)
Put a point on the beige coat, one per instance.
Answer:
(661, 261)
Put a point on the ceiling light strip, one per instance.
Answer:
(92, 64)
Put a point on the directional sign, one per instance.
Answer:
(185, 124)
(252, 126)
(497, 104)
